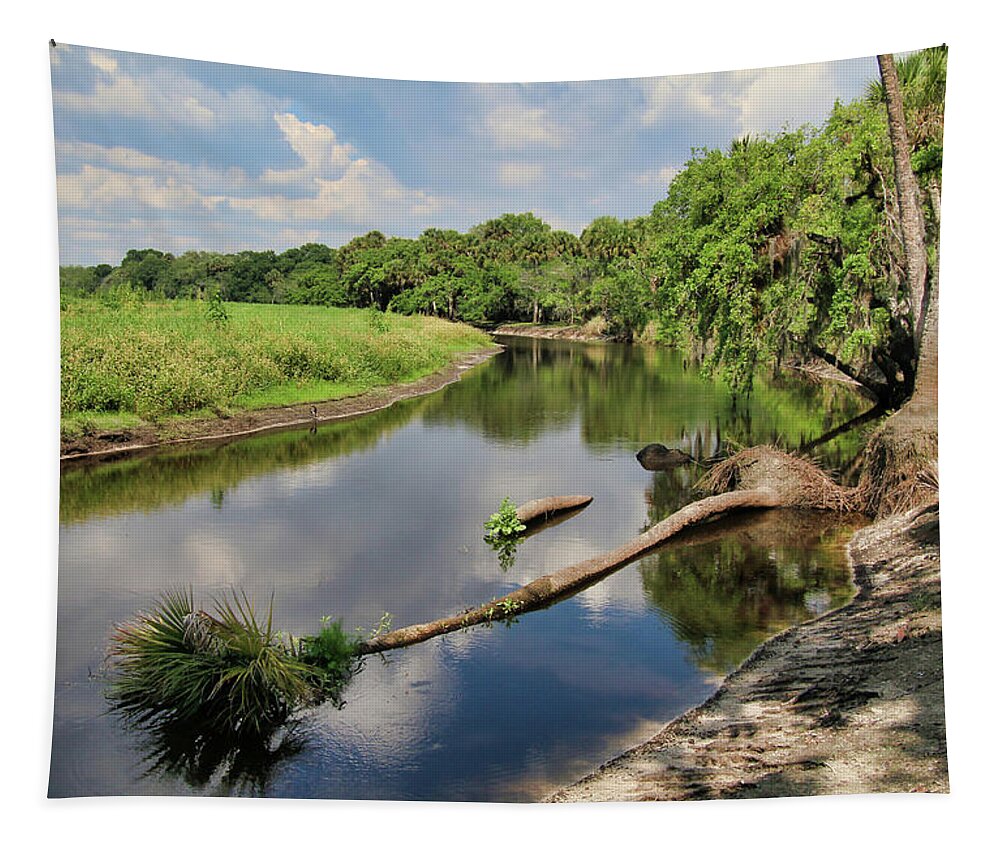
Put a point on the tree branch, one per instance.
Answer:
(833, 360)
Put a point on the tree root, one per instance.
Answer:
(900, 465)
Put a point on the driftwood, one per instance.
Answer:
(539, 510)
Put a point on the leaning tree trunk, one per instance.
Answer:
(908, 195)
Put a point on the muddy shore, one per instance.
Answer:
(114, 444)
(851, 702)
(551, 332)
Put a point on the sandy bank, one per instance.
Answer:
(851, 702)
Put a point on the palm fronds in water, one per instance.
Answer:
(229, 669)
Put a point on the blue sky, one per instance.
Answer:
(184, 155)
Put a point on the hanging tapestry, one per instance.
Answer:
(498, 442)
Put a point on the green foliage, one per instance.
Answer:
(78, 280)
(228, 669)
(121, 296)
(512, 267)
(216, 309)
(523, 401)
(332, 653)
(383, 626)
(506, 550)
(503, 533)
(504, 524)
(509, 608)
(789, 243)
(773, 246)
(377, 321)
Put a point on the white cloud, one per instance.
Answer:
(71, 157)
(103, 62)
(759, 100)
(520, 174)
(511, 124)
(121, 95)
(163, 98)
(775, 97)
(93, 188)
(681, 98)
(317, 147)
(176, 206)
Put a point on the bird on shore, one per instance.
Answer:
(314, 412)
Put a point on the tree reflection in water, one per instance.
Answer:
(726, 587)
(202, 756)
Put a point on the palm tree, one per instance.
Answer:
(908, 197)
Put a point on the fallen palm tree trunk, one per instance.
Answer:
(757, 478)
(550, 587)
(539, 510)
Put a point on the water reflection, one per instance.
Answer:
(619, 395)
(203, 757)
(726, 588)
(385, 513)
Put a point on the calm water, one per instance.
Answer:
(384, 514)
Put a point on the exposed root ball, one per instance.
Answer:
(797, 482)
(900, 469)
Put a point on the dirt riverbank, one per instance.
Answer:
(108, 444)
(851, 702)
(551, 332)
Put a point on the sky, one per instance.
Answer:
(180, 155)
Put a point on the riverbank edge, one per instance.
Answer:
(850, 702)
(576, 333)
(106, 445)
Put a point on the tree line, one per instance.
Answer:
(515, 267)
(782, 246)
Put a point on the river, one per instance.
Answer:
(384, 513)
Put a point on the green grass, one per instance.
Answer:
(157, 360)
(294, 394)
(82, 424)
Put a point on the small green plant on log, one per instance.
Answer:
(331, 653)
(503, 533)
(509, 608)
(504, 524)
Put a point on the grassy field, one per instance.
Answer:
(151, 361)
